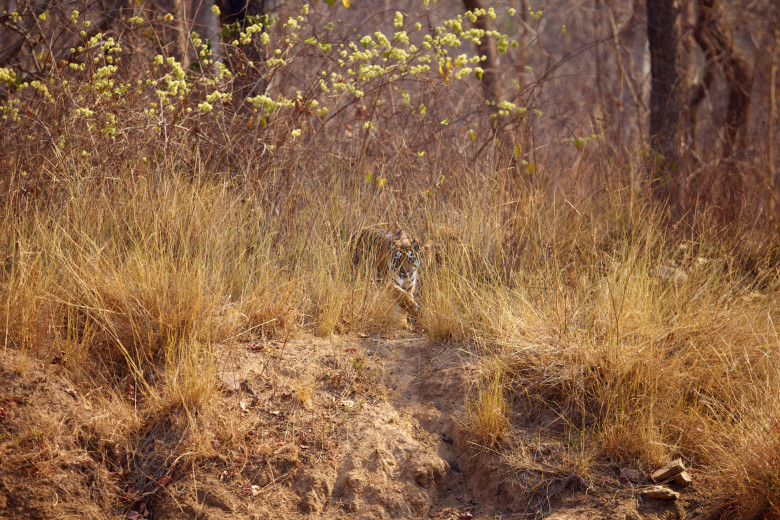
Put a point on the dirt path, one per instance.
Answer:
(390, 405)
(395, 454)
(426, 384)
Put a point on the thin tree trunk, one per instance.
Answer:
(699, 91)
(717, 45)
(631, 96)
(773, 172)
(182, 33)
(598, 113)
(667, 96)
(523, 14)
(206, 24)
(735, 70)
(487, 47)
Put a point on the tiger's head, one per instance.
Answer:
(403, 263)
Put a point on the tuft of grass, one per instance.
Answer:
(486, 415)
(747, 479)
(304, 388)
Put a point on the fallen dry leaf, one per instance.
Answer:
(247, 404)
(252, 490)
(140, 512)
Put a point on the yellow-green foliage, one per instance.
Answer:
(286, 83)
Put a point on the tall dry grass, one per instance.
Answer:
(624, 340)
(627, 341)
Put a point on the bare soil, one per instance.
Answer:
(347, 427)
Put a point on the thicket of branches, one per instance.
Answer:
(564, 76)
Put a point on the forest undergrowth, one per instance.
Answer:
(150, 213)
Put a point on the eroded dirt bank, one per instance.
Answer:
(360, 427)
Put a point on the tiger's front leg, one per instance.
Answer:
(405, 299)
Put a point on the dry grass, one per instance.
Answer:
(487, 414)
(583, 331)
(626, 341)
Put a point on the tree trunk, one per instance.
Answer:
(206, 24)
(196, 16)
(717, 44)
(487, 48)
(521, 57)
(667, 97)
(182, 33)
(774, 174)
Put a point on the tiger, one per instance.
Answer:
(396, 257)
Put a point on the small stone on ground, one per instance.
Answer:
(683, 479)
(659, 493)
(671, 470)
